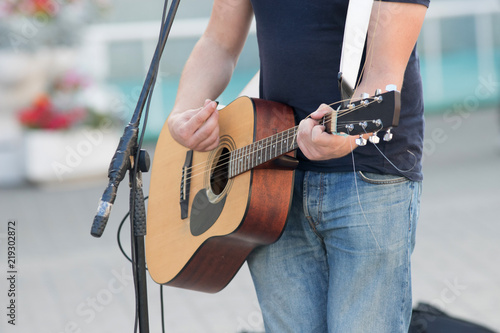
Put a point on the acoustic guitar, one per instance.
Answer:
(208, 210)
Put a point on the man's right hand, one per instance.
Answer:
(196, 129)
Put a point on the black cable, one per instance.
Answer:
(153, 71)
(145, 101)
(118, 237)
(122, 249)
(162, 309)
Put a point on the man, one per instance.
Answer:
(343, 261)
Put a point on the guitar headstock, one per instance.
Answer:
(367, 115)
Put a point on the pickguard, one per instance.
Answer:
(204, 213)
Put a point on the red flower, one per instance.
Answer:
(43, 115)
(49, 7)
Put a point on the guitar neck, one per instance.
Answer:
(369, 115)
(262, 151)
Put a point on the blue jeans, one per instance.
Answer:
(343, 261)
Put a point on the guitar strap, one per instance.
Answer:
(356, 28)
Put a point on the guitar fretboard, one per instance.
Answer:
(262, 151)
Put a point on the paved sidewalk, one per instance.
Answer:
(69, 281)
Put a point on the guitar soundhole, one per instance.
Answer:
(219, 175)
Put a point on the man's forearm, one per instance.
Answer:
(206, 74)
(392, 34)
(212, 61)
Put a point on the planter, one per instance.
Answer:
(11, 162)
(58, 156)
(24, 76)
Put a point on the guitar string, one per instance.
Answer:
(328, 117)
(226, 158)
(369, 52)
(272, 144)
(368, 58)
(393, 165)
(359, 197)
(346, 111)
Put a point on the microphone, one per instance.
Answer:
(118, 167)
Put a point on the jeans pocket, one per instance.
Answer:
(381, 179)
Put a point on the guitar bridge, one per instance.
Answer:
(185, 184)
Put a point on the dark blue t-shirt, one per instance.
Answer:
(300, 45)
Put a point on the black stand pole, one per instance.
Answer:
(138, 231)
(129, 157)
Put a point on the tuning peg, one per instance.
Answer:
(364, 99)
(378, 96)
(374, 138)
(391, 87)
(361, 141)
(388, 135)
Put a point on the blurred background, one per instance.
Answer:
(70, 75)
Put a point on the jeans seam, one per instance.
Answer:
(407, 281)
(369, 180)
(320, 199)
(411, 226)
(305, 207)
(304, 196)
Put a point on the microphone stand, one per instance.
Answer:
(129, 157)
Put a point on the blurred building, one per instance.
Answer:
(459, 47)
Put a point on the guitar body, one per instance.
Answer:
(202, 243)
(207, 211)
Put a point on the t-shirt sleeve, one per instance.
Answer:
(421, 2)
